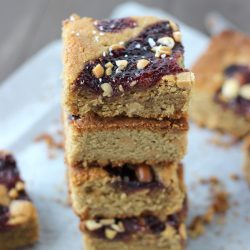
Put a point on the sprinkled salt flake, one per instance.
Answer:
(95, 22)
(117, 71)
(101, 34)
(126, 55)
(101, 28)
(100, 80)
(151, 42)
(137, 46)
(122, 43)
(112, 26)
(104, 53)
(74, 17)
(145, 48)
(81, 82)
(94, 32)
(163, 56)
(77, 34)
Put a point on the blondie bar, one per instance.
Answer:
(126, 191)
(19, 225)
(221, 96)
(120, 140)
(130, 66)
(136, 233)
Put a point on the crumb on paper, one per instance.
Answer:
(215, 211)
(213, 180)
(51, 142)
(235, 177)
(222, 141)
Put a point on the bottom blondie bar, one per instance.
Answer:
(19, 225)
(136, 233)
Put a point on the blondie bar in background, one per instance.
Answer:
(19, 226)
(221, 98)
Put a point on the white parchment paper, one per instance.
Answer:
(30, 105)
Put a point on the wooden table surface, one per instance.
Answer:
(28, 25)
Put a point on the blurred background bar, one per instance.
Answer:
(28, 25)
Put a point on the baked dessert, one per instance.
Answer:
(221, 96)
(126, 191)
(129, 66)
(246, 149)
(119, 140)
(136, 233)
(19, 225)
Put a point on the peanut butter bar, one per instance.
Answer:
(120, 140)
(19, 225)
(136, 233)
(221, 98)
(131, 67)
(247, 158)
(128, 190)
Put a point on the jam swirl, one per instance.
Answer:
(240, 105)
(129, 181)
(115, 25)
(135, 49)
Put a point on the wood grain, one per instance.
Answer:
(28, 25)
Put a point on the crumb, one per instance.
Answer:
(51, 143)
(196, 228)
(221, 202)
(218, 207)
(235, 177)
(212, 180)
(220, 141)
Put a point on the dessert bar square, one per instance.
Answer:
(131, 66)
(247, 158)
(126, 191)
(102, 141)
(136, 233)
(221, 96)
(19, 225)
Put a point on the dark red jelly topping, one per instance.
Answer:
(146, 224)
(128, 179)
(4, 217)
(239, 105)
(134, 50)
(115, 25)
(9, 173)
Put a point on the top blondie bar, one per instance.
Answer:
(125, 67)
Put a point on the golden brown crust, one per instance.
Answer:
(229, 47)
(92, 122)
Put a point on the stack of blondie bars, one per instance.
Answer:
(125, 104)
